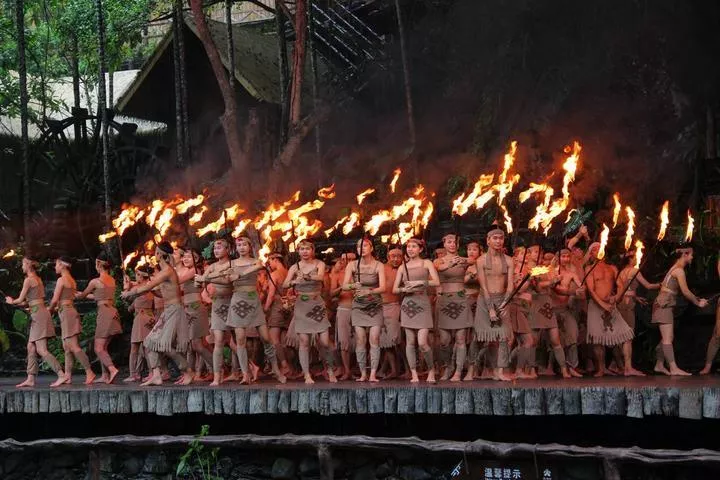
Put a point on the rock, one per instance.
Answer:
(132, 465)
(224, 467)
(366, 472)
(283, 469)
(107, 461)
(156, 462)
(410, 472)
(309, 466)
(385, 469)
(251, 470)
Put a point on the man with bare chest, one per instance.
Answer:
(567, 288)
(605, 325)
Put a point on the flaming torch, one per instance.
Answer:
(534, 272)
(394, 180)
(664, 219)
(690, 228)
(616, 210)
(630, 228)
(327, 192)
(638, 253)
(9, 254)
(603, 242)
(364, 194)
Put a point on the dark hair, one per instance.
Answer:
(277, 256)
(104, 259)
(165, 247)
(66, 259)
(145, 270)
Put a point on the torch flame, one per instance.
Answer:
(197, 216)
(664, 219)
(363, 195)
(541, 270)
(462, 203)
(9, 254)
(327, 192)
(638, 253)
(690, 227)
(106, 236)
(603, 242)
(352, 221)
(508, 220)
(630, 227)
(394, 180)
(616, 210)
(183, 207)
(128, 258)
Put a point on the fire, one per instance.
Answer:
(690, 227)
(274, 212)
(157, 206)
(327, 192)
(664, 219)
(128, 217)
(541, 270)
(352, 221)
(394, 180)
(508, 220)
(462, 203)
(241, 226)
(364, 194)
(603, 242)
(297, 213)
(405, 232)
(534, 188)
(183, 207)
(429, 209)
(106, 236)
(233, 211)
(197, 216)
(330, 230)
(128, 258)
(616, 210)
(164, 221)
(638, 253)
(328, 250)
(213, 226)
(9, 254)
(630, 227)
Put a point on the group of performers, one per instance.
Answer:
(470, 317)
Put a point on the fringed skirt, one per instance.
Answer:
(367, 311)
(543, 315)
(70, 324)
(245, 310)
(219, 313)
(627, 310)
(142, 325)
(343, 328)
(197, 317)
(41, 323)
(606, 328)
(108, 322)
(310, 315)
(278, 316)
(568, 324)
(170, 333)
(453, 311)
(519, 311)
(416, 312)
(390, 334)
(486, 330)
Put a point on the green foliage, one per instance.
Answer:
(4, 341)
(20, 321)
(198, 460)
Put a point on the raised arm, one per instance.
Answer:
(90, 288)
(155, 281)
(27, 284)
(679, 274)
(290, 278)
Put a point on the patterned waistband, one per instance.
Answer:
(66, 303)
(35, 303)
(459, 293)
(191, 298)
(245, 289)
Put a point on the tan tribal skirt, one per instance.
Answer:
(568, 325)
(170, 332)
(416, 312)
(542, 316)
(453, 311)
(278, 316)
(627, 310)
(142, 325)
(245, 310)
(367, 311)
(41, 323)
(390, 334)
(519, 311)
(108, 322)
(310, 314)
(70, 324)
(197, 317)
(486, 330)
(219, 313)
(662, 310)
(606, 328)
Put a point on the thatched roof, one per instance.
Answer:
(61, 93)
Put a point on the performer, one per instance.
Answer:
(453, 310)
(246, 310)
(605, 325)
(714, 343)
(70, 324)
(196, 312)
(143, 321)
(566, 289)
(220, 294)
(41, 325)
(366, 279)
(310, 314)
(472, 290)
(662, 315)
(492, 323)
(519, 311)
(169, 336)
(107, 324)
(414, 280)
(277, 309)
(343, 313)
(390, 334)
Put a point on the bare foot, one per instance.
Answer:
(255, 372)
(28, 383)
(246, 379)
(362, 378)
(414, 377)
(631, 372)
(599, 373)
(431, 377)
(104, 378)
(446, 375)
(68, 379)
(373, 378)
(661, 369)
(309, 380)
(565, 373)
(186, 378)
(89, 378)
(331, 377)
(215, 383)
(470, 375)
(504, 377)
(546, 372)
(113, 373)
(575, 373)
(60, 380)
(679, 372)
(456, 377)
(233, 377)
(131, 379)
(706, 370)
(153, 381)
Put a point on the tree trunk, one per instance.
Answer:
(230, 41)
(102, 111)
(75, 67)
(408, 92)
(230, 115)
(283, 73)
(179, 138)
(24, 141)
(298, 65)
(313, 68)
(183, 83)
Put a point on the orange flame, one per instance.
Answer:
(630, 227)
(616, 210)
(128, 258)
(462, 203)
(534, 188)
(295, 214)
(330, 230)
(9, 254)
(327, 192)
(183, 207)
(127, 218)
(274, 212)
(603, 242)
(394, 180)
(508, 220)
(352, 222)
(638, 253)
(664, 219)
(363, 195)
(197, 216)
(157, 206)
(212, 226)
(106, 236)
(690, 227)
(541, 270)
(241, 226)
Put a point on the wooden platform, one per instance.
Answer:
(688, 397)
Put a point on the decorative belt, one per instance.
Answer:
(35, 303)
(172, 302)
(244, 288)
(147, 311)
(667, 290)
(189, 298)
(105, 303)
(66, 303)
